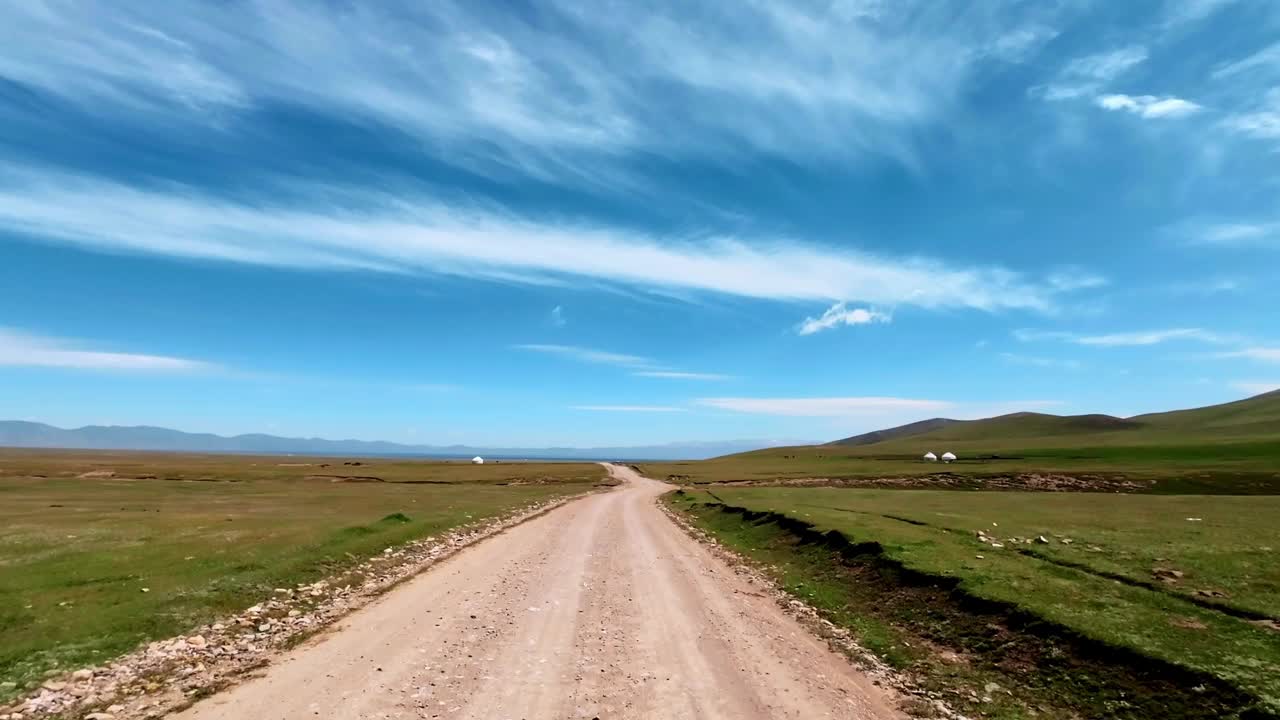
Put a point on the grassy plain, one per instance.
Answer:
(1136, 575)
(1228, 448)
(83, 533)
(1248, 467)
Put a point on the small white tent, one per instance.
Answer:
(948, 456)
(477, 460)
(930, 457)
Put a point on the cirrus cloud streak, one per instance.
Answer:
(18, 349)
(385, 233)
(629, 408)
(823, 406)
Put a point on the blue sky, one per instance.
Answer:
(631, 223)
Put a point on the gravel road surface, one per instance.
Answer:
(601, 608)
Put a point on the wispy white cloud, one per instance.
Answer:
(1256, 77)
(823, 406)
(1085, 76)
(1149, 337)
(1105, 66)
(557, 316)
(1032, 335)
(1124, 339)
(679, 375)
(1206, 287)
(640, 366)
(18, 349)
(1069, 280)
(1262, 125)
(1262, 354)
(1187, 11)
(883, 410)
(393, 233)
(1256, 387)
(1148, 107)
(1261, 119)
(801, 77)
(588, 355)
(1266, 60)
(1040, 362)
(1239, 233)
(630, 408)
(840, 314)
(1218, 232)
(1019, 43)
(1088, 77)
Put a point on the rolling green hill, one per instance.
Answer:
(1235, 445)
(1255, 418)
(893, 433)
(1258, 416)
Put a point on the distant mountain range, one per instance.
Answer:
(17, 433)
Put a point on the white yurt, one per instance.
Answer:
(930, 457)
(477, 460)
(948, 456)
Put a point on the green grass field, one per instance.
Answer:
(1252, 467)
(1230, 448)
(1136, 574)
(82, 533)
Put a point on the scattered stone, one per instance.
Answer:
(980, 557)
(1042, 540)
(1195, 519)
(222, 651)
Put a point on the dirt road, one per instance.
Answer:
(601, 608)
